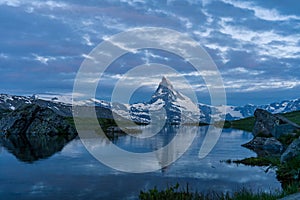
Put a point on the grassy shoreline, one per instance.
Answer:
(179, 193)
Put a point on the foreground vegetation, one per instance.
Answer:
(177, 193)
(293, 116)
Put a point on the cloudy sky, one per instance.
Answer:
(255, 44)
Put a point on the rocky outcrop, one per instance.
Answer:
(292, 151)
(270, 125)
(265, 146)
(34, 120)
(32, 132)
(267, 131)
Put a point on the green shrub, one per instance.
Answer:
(290, 170)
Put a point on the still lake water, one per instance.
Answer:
(73, 173)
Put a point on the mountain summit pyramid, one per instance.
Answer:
(178, 107)
(166, 91)
(166, 83)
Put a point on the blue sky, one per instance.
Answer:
(255, 44)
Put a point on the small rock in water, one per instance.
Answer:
(265, 146)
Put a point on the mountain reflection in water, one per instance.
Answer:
(32, 148)
(73, 173)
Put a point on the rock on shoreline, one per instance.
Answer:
(263, 146)
(272, 125)
(268, 132)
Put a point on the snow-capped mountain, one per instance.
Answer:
(177, 108)
(9, 102)
(239, 112)
(284, 106)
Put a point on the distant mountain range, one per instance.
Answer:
(177, 107)
(239, 112)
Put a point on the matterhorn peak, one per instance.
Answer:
(166, 83)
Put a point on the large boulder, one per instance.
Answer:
(265, 146)
(272, 125)
(292, 151)
(32, 132)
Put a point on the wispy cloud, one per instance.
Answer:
(185, 21)
(260, 12)
(89, 57)
(251, 84)
(222, 51)
(256, 85)
(3, 56)
(43, 59)
(49, 4)
(13, 3)
(112, 23)
(34, 4)
(133, 2)
(203, 34)
(265, 43)
(148, 56)
(242, 70)
(87, 40)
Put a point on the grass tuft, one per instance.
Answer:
(177, 193)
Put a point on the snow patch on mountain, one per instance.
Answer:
(62, 98)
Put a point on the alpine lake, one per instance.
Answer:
(71, 172)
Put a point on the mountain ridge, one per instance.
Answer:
(178, 107)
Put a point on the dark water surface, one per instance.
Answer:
(74, 174)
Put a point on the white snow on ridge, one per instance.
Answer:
(123, 113)
(159, 104)
(187, 104)
(66, 98)
(234, 113)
